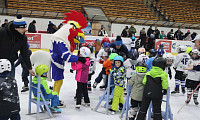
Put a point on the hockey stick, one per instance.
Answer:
(188, 98)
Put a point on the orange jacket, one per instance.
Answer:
(107, 64)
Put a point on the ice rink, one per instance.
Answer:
(189, 112)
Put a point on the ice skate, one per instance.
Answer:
(61, 104)
(95, 85)
(78, 106)
(55, 110)
(183, 90)
(175, 91)
(24, 89)
(112, 112)
(196, 102)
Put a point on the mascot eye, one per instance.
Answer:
(73, 25)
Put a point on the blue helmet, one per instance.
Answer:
(153, 52)
(120, 58)
(106, 44)
(160, 52)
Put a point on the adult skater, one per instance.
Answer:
(12, 40)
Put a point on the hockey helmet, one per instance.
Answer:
(85, 52)
(141, 67)
(120, 58)
(195, 51)
(41, 69)
(112, 56)
(181, 48)
(141, 50)
(5, 65)
(152, 52)
(159, 62)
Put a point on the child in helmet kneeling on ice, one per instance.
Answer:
(41, 70)
(137, 89)
(119, 79)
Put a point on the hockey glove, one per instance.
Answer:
(92, 73)
(164, 91)
(71, 70)
(82, 59)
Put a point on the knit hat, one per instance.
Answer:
(19, 22)
(118, 41)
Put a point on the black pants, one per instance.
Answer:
(11, 117)
(82, 89)
(145, 105)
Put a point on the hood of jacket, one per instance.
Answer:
(141, 74)
(156, 71)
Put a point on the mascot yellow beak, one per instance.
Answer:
(77, 26)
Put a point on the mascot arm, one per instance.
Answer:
(65, 54)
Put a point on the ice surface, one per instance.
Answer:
(189, 112)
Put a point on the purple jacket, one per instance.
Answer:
(82, 70)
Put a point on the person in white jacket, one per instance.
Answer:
(181, 62)
(142, 57)
(193, 78)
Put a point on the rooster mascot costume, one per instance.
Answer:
(63, 45)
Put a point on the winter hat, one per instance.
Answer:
(19, 22)
(34, 21)
(118, 41)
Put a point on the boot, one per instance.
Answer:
(55, 110)
(78, 106)
(95, 85)
(183, 90)
(112, 112)
(24, 89)
(176, 90)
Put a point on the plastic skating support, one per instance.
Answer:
(40, 98)
(105, 97)
(167, 114)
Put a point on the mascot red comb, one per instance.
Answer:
(63, 45)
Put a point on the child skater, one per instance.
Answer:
(42, 70)
(137, 89)
(193, 79)
(119, 76)
(156, 84)
(82, 71)
(9, 98)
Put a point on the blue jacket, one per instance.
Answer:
(149, 63)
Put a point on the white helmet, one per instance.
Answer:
(5, 65)
(182, 48)
(141, 50)
(168, 56)
(195, 51)
(85, 52)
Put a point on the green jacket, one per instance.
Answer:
(43, 82)
(157, 72)
(137, 87)
(132, 30)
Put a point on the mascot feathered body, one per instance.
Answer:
(63, 45)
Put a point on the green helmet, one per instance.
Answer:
(141, 67)
(189, 49)
(112, 56)
(41, 69)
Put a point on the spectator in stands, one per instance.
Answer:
(143, 38)
(178, 34)
(194, 34)
(59, 26)
(187, 33)
(102, 32)
(162, 35)
(5, 23)
(150, 31)
(125, 32)
(31, 27)
(188, 37)
(170, 35)
(157, 33)
(105, 39)
(51, 28)
(132, 31)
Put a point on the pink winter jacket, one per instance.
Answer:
(82, 70)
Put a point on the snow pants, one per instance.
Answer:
(117, 97)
